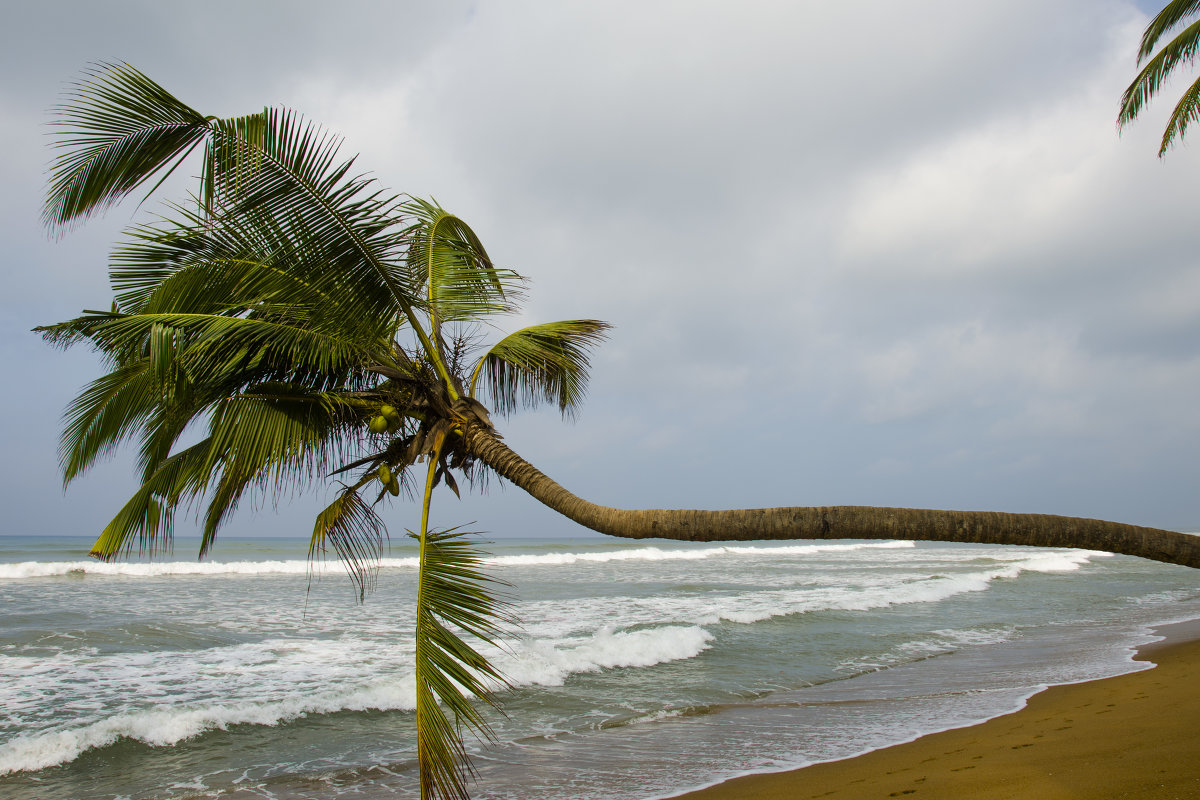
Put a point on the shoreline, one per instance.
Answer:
(1128, 736)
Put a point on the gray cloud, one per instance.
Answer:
(860, 252)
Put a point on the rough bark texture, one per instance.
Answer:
(837, 522)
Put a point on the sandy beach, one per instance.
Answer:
(1133, 736)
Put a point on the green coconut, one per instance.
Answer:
(394, 487)
(385, 474)
(389, 412)
(379, 424)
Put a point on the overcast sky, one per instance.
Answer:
(877, 253)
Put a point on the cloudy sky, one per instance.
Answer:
(870, 252)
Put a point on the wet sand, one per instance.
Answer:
(1133, 736)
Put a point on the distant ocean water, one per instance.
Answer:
(641, 669)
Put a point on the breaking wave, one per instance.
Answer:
(50, 569)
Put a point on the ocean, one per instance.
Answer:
(641, 668)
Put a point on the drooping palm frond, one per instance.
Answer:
(1186, 111)
(284, 438)
(106, 413)
(274, 438)
(541, 363)
(1153, 76)
(139, 398)
(355, 532)
(454, 598)
(147, 519)
(282, 435)
(265, 434)
(75, 331)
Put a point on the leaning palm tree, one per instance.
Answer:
(311, 326)
(307, 326)
(1150, 81)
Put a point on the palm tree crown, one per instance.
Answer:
(309, 325)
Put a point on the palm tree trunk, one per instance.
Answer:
(836, 522)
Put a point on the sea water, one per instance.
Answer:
(640, 668)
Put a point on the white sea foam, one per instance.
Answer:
(850, 592)
(937, 642)
(1054, 561)
(296, 676)
(169, 724)
(49, 569)
(701, 554)
(928, 589)
(550, 663)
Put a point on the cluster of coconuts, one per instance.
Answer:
(387, 421)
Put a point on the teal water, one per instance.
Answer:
(641, 669)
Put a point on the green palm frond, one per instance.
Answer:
(356, 533)
(216, 349)
(1186, 111)
(233, 156)
(108, 412)
(449, 261)
(455, 598)
(297, 178)
(119, 129)
(189, 263)
(256, 255)
(1153, 76)
(130, 402)
(276, 437)
(1172, 14)
(147, 519)
(286, 437)
(273, 438)
(541, 363)
(75, 331)
(162, 429)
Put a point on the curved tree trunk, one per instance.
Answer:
(837, 522)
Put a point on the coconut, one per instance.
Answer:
(379, 424)
(385, 474)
